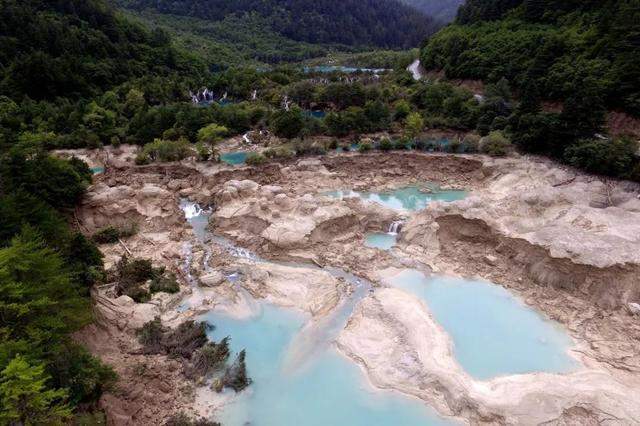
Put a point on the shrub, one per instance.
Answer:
(132, 275)
(209, 358)
(235, 377)
(364, 147)
(386, 144)
(605, 157)
(138, 293)
(150, 336)
(333, 144)
(402, 143)
(165, 283)
(203, 151)
(283, 151)
(142, 159)
(111, 234)
(106, 235)
(303, 148)
(167, 150)
(255, 159)
(455, 146)
(181, 419)
(495, 145)
(471, 143)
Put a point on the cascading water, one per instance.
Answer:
(395, 227)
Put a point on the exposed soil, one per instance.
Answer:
(569, 244)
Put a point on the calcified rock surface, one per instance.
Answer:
(568, 244)
(395, 338)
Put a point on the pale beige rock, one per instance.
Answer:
(395, 338)
(212, 279)
(312, 290)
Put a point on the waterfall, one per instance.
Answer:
(286, 103)
(186, 266)
(395, 227)
(245, 138)
(254, 95)
(192, 210)
(224, 96)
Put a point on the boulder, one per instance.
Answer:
(212, 279)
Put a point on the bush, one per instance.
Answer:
(402, 144)
(255, 159)
(333, 144)
(386, 144)
(111, 234)
(150, 336)
(308, 148)
(166, 284)
(364, 147)
(209, 358)
(108, 235)
(235, 377)
(283, 151)
(166, 150)
(605, 157)
(181, 419)
(138, 293)
(495, 145)
(471, 143)
(132, 275)
(142, 159)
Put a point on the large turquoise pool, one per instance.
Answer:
(327, 389)
(494, 333)
(408, 198)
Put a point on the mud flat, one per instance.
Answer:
(567, 244)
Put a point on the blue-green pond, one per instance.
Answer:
(383, 241)
(410, 198)
(234, 158)
(326, 390)
(494, 333)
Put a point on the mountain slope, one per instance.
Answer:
(380, 23)
(78, 48)
(443, 10)
(558, 50)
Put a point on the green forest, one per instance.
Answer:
(582, 55)
(85, 74)
(373, 23)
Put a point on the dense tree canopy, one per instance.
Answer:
(551, 49)
(381, 23)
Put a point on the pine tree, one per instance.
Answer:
(25, 399)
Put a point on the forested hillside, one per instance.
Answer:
(56, 58)
(582, 57)
(78, 48)
(379, 23)
(442, 10)
(552, 49)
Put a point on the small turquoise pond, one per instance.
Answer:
(383, 241)
(96, 170)
(408, 198)
(327, 390)
(494, 333)
(234, 158)
(340, 68)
